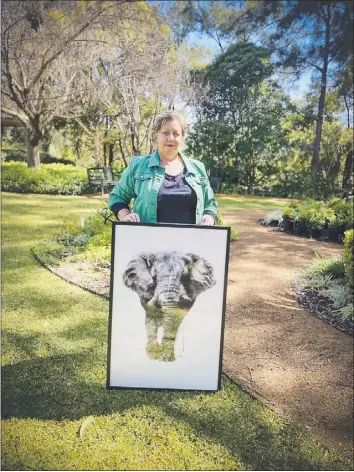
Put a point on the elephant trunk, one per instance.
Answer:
(169, 295)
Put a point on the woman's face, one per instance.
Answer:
(170, 139)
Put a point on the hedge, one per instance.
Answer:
(50, 179)
(12, 155)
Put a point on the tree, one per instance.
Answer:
(303, 35)
(239, 113)
(49, 57)
(308, 35)
(44, 45)
(137, 89)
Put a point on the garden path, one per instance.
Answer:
(295, 363)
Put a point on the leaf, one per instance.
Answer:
(87, 422)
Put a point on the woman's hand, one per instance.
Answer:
(130, 217)
(207, 220)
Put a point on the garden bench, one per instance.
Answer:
(101, 176)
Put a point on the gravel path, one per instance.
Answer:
(297, 364)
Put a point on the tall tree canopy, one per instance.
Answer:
(64, 59)
(239, 112)
(302, 35)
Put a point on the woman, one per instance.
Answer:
(167, 186)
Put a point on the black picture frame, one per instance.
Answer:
(160, 335)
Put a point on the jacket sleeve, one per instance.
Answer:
(123, 192)
(210, 203)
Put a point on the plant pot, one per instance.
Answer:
(324, 234)
(288, 226)
(315, 233)
(333, 234)
(299, 229)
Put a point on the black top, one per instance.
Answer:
(176, 201)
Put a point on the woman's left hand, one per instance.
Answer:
(207, 220)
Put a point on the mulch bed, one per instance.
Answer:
(322, 308)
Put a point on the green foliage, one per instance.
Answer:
(290, 214)
(346, 313)
(89, 238)
(14, 155)
(343, 212)
(52, 179)
(340, 295)
(327, 266)
(239, 117)
(318, 214)
(48, 159)
(315, 214)
(348, 255)
(221, 222)
(327, 276)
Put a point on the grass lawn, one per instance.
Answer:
(250, 202)
(54, 349)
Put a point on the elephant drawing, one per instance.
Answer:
(167, 284)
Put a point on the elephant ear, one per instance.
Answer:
(201, 273)
(138, 271)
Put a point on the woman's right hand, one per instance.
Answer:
(131, 218)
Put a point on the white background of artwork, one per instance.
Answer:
(197, 347)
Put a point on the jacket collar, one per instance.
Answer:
(154, 160)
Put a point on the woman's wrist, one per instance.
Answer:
(126, 216)
(124, 212)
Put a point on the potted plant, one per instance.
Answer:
(289, 217)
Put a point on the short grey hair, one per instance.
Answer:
(165, 116)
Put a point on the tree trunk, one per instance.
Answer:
(33, 148)
(97, 148)
(348, 171)
(321, 104)
(122, 151)
(46, 143)
(105, 155)
(111, 155)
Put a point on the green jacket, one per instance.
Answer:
(141, 181)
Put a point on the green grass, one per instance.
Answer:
(54, 350)
(250, 203)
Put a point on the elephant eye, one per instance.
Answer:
(130, 273)
(188, 267)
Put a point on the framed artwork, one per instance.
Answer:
(167, 306)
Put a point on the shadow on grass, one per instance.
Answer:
(60, 388)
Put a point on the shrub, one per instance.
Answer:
(16, 156)
(290, 214)
(346, 313)
(340, 295)
(343, 212)
(348, 256)
(318, 215)
(51, 179)
(221, 222)
(48, 159)
(327, 266)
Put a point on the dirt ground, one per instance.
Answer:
(295, 363)
(274, 349)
